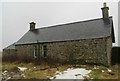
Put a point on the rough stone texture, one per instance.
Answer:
(9, 55)
(96, 51)
(25, 52)
(82, 51)
(109, 50)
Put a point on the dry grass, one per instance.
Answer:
(35, 72)
(98, 74)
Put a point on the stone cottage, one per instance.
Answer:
(87, 41)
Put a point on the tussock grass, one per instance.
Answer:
(98, 74)
(9, 67)
(35, 71)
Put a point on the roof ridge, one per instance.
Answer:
(70, 23)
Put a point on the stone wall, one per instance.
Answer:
(109, 50)
(82, 51)
(9, 55)
(94, 51)
(25, 52)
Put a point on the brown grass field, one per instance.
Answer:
(35, 72)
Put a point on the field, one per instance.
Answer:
(32, 71)
(0, 56)
(0, 64)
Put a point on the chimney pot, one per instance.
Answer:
(104, 4)
(32, 26)
(105, 12)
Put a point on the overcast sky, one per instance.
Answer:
(16, 16)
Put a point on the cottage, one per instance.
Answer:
(78, 42)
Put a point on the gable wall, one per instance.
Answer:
(109, 50)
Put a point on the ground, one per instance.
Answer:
(0, 65)
(31, 71)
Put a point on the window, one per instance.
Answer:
(40, 51)
(35, 51)
(45, 50)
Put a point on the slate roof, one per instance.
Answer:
(95, 28)
(12, 46)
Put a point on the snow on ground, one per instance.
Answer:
(70, 73)
(22, 68)
(109, 70)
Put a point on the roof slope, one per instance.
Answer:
(95, 28)
(12, 46)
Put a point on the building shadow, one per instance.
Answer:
(115, 58)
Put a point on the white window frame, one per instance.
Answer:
(34, 52)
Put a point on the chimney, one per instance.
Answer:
(105, 12)
(32, 26)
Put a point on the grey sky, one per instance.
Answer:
(16, 16)
(0, 26)
(119, 23)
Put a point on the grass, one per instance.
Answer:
(0, 61)
(35, 72)
(8, 66)
(98, 74)
(95, 74)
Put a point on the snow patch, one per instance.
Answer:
(96, 67)
(22, 68)
(70, 73)
(103, 71)
(109, 70)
